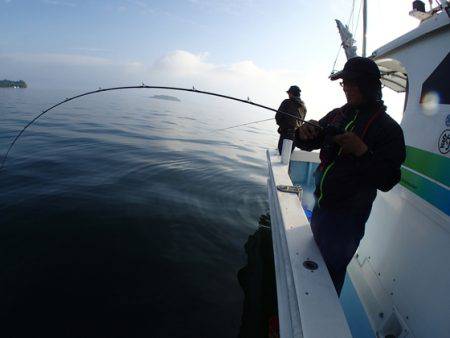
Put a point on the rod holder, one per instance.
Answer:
(286, 151)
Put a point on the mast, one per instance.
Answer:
(364, 28)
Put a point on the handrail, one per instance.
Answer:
(308, 304)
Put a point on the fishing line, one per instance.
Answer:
(243, 124)
(143, 86)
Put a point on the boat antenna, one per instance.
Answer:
(143, 86)
(364, 28)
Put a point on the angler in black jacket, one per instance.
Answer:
(286, 117)
(361, 150)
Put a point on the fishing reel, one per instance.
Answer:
(329, 145)
(330, 130)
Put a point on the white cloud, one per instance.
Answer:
(241, 78)
(182, 63)
(59, 3)
(231, 7)
(179, 69)
(90, 50)
(138, 3)
(245, 78)
(143, 7)
(56, 59)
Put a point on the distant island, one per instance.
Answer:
(12, 84)
(165, 97)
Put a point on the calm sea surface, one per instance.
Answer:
(125, 216)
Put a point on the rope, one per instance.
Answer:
(349, 21)
(359, 14)
(335, 60)
(350, 18)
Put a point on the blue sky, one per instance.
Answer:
(247, 47)
(144, 30)
(138, 29)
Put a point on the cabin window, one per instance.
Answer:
(435, 89)
(395, 87)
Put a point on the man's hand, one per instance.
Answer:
(308, 131)
(351, 144)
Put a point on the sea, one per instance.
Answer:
(125, 213)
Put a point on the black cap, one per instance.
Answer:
(294, 90)
(358, 67)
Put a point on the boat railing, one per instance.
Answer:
(308, 305)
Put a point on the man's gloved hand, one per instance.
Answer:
(351, 144)
(307, 131)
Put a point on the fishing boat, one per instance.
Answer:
(397, 282)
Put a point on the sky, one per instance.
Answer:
(246, 48)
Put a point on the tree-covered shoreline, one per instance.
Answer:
(12, 84)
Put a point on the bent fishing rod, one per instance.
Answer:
(143, 86)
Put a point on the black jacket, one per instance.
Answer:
(288, 124)
(347, 181)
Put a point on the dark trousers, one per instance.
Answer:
(280, 142)
(338, 233)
